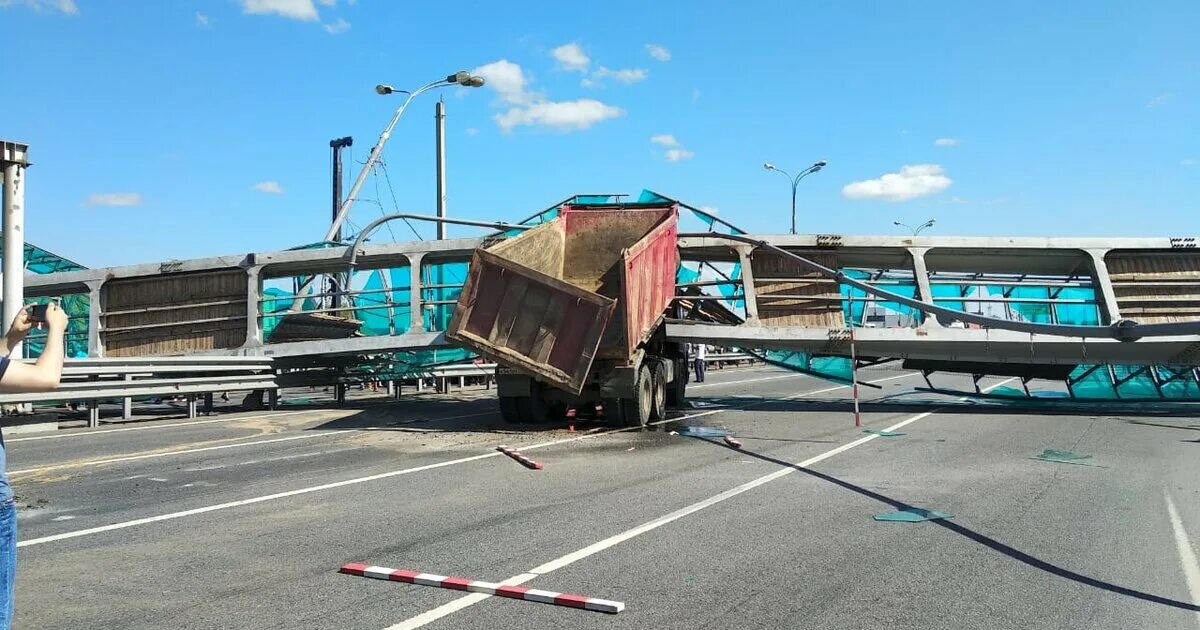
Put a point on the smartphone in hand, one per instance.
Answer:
(37, 314)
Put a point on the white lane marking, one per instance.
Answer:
(130, 458)
(611, 541)
(752, 380)
(153, 426)
(358, 480)
(1187, 553)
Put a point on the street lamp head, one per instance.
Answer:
(465, 79)
(384, 90)
(768, 166)
(819, 165)
(897, 223)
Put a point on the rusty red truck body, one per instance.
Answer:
(571, 311)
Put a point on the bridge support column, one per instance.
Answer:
(273, 399)
(416, 316)
(748, 288)
(254, 331)
(1104, 285)
(95, 342)
(340, 390)
(924, 289)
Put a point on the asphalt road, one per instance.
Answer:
(243, 521)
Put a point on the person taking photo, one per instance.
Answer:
(17, 377)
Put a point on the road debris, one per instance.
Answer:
(882, 433)
(703, 432)
(515, 454)
(1064, 457)
(488, 588)
(732, 442)
(912, 515)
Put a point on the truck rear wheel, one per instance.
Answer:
(534, 408)
(658, 393)
(635, 411)
(677, 390)
(510, 409)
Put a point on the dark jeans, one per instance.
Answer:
(698, 368)
(8, 561)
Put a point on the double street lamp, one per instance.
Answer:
(463, 78)
(796, 182)
(916, 230)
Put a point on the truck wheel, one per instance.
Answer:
(534, 408)
(658, 398)
(510, 409)
(635, 411)
(677, 391)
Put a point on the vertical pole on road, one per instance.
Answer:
(14, 159)
(854, 379)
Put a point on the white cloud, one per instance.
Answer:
(675, 155)
(508, 80)
(202, 20)
(1188, 162)
(335, 28)
(471, 131)
(1158, 100)
(270, 187)
(625, 75)
(665, 139)
(294, 9)
(531, 108)
(574, 115)
(915, 180)
(713, 210)
(675, 152)
(329, 3)
(945, 142)
(658, 52)
(114, 200)
(571, 57)
(65, 6)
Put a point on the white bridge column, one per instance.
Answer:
(14, 159)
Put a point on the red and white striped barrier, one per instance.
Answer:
(489, 588)
(515, 454)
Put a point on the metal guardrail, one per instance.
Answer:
(93, 380)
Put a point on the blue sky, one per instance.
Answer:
(191, 128)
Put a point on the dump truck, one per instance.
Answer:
(571, 312)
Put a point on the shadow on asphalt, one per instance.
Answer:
(970, 534)
(891, 405)
(447, 415)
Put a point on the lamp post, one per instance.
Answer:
(462, 78)
(796, 182)
(916, 230)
